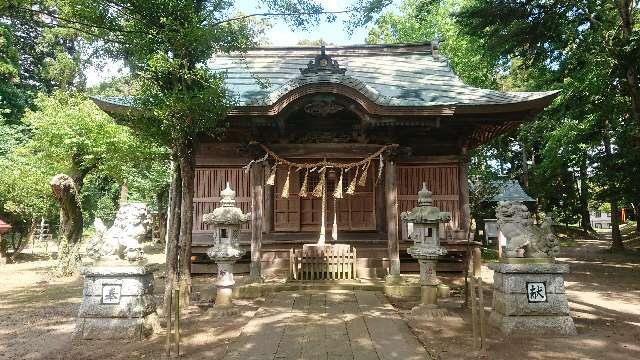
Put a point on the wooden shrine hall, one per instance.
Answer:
(336, 142)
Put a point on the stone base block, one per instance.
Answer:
(429, 295)
(393, 280)
(135, 329)
(129, 306)
(117, 303)
(530, 299)
(429, 311)
(533, 325)
(517, 304)
(249, 291)
(402, 292)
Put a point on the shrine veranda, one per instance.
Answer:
(341, 105)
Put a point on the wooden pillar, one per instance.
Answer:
(476, 255)
(268, 203)
(463, 177)
(393, 246)
(380, 208)
(257, 181)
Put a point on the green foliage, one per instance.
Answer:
(489, 254)
(50, 57)
(581, 49)
(24, 189)
(586, 50)
(70, 134)
(184, 102)
(421, 21)
(316, 42)
(13, 98)
(71, 131)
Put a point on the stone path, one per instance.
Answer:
(326, 325)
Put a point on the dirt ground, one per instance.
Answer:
(37, 317)
(603, 290)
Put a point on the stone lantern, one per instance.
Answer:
(426, 247)
(226, 221)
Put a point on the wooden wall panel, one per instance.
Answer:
(208, 183)
(442, 181)
(286, 211)
(355, 212)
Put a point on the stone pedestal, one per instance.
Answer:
(224, 283)
(529, 299)
(117, 303)
(429, 282)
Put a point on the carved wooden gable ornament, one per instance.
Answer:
(323, 63)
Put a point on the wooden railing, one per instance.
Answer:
(323, 262)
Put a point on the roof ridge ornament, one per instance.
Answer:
(323, 63)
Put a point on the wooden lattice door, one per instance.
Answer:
(286, 210)
(355, 212)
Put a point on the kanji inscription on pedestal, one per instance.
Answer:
(111, 294)
(536, 292)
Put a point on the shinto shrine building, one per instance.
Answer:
(391, 117)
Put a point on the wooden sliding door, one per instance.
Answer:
(354, 212)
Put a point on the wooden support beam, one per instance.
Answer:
(257, 181)
(393, 245)
(324, 150)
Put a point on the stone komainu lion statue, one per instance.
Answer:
(516, 225)
(122, 240)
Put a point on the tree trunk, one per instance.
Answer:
(187, 169)
(525, 167)
(162, 216)
(636, 209)
(173, 235)
(585, 218)
(616, 236)
(67, 194)
(636, 213)
(625, 10)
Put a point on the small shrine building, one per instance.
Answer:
(314, 119)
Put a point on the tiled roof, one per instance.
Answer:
(510, 190)
(388, 75)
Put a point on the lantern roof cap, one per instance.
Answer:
(228, 196)
(227, 213)
(425, 213)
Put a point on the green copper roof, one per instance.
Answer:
(388, 75)
(510, 190)
(407, 75)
